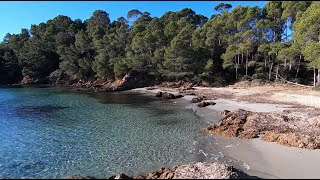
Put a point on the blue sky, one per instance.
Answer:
(15, 15)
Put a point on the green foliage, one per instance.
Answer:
(243, 41)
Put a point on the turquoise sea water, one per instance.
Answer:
(55, 132)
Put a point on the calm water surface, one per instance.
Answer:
(55, 132)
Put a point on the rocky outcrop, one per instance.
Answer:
(166, 95)
(162, 173)
(204, 104)
(234, 125)
(292, 139)
(209, 170)
(198, 170)
(287, 128)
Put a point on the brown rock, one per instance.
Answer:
(292, 139)
(208, 170)
(234, 125)
(225, 112)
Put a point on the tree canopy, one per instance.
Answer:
(239, 42)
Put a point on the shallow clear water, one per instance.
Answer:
(55, 132)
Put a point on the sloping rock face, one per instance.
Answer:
(289, 128)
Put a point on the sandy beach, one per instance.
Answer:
(263, 159)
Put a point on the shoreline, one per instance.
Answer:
(265, 159)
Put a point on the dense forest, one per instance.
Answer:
(280, 40)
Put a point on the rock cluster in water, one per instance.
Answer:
(166, 95)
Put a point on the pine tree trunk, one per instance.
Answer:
(318, 81)
(238, 64)
(236, 72)
(242, 57)
(247, 64)
(265, 62)
(314, 76)
(298, 68)
(277, 72)
(270, 68)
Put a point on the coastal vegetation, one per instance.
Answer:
(278, 41)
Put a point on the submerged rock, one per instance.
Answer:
(204, 104)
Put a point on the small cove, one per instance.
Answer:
(57, 132)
